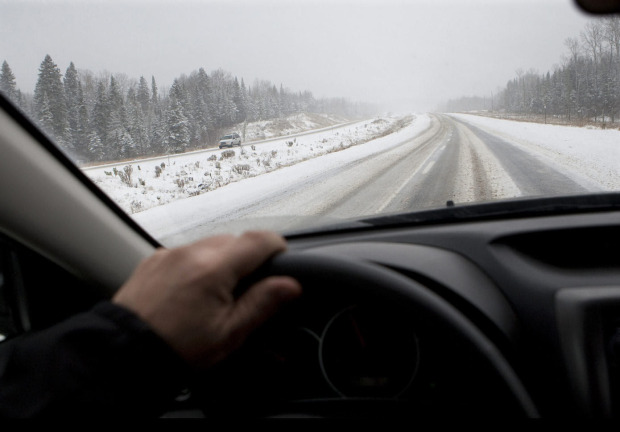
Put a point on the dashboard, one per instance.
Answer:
(507, 317)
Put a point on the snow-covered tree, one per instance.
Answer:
(200, 105)
(136, 124)
(117, 140)
(49, 100)
(177, 135)
(76, 112)
(154, 93)
(96, 149)
(143, 95)
(100, 117)
(7, 82)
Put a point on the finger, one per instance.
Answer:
(249, 251)
(261, 302)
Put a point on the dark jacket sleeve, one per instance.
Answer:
(104, 362)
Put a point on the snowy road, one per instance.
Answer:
(530, 174)
(436, 159)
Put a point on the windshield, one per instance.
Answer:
(340, 111)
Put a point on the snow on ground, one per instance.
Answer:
(591, 157)
(140, 185)
(226, 204)
(266, 129)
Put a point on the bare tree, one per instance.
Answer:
(611, 27)
(592, 37)
(573, 48)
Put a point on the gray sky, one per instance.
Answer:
(415, 53)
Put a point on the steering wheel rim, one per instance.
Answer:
(313, 269)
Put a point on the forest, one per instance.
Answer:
(584, 87)
(111, 117)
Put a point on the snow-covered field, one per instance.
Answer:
(590, 156)
(140, 185)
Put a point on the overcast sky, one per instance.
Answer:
(416, 53)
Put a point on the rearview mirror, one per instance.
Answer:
(599, 6)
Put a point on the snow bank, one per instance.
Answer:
(141, 185)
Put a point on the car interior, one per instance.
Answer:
(482, 313)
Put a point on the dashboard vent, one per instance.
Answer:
(587, 248)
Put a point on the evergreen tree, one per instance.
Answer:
(76, 112)
(239, 102)
(96, 148)
(46, 117)
(154, 93)
(157, 134)
(201, 112)
(143, 95)
(156, 120)
(7, 82)
(136, 124)
(126, 145)
(50, 90)
(177, 135)
(100, 119)
(117, 141)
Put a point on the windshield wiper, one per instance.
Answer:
(454, 212)
(514, 208)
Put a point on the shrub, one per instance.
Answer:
(228, 154)
(125, 175)
(136, 206)
(241, 168)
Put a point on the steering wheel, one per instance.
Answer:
(240, 385)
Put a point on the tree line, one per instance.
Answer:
(112, 117)
(586, 85)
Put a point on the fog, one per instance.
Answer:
(401, 54)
